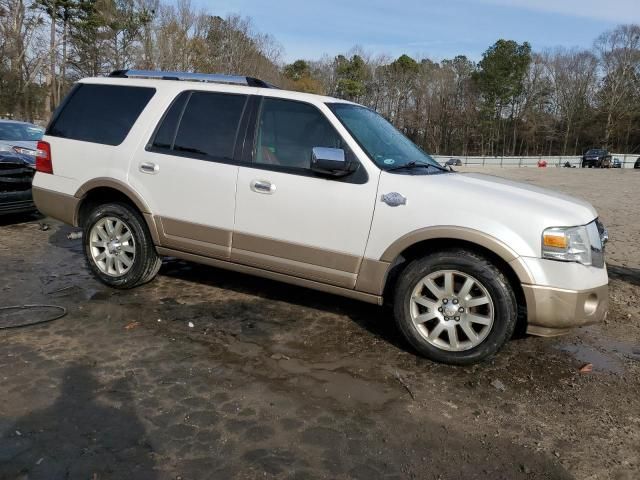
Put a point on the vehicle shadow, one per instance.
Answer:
(18, 218)
(375, 319)
(78, 436)
(626, 274)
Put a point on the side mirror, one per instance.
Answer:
(331, 161)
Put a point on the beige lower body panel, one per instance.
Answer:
(194, 238)
(554, 311)
(372, 276)
(56, 205)
(282, 277)
(300, 261)
(294, 268)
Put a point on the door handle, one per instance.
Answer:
(263, 186)
(149, 167)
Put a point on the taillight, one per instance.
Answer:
(43, 158)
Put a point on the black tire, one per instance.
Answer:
(505, 309)
(146, 261)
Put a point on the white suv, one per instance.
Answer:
(317, 192)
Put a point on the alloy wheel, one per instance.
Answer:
(112, 246)
(452, 310)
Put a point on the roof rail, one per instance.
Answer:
(193, 77)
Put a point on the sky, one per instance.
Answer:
(427, 28)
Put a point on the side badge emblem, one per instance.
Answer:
(394, 199)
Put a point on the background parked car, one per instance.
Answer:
(19, 137)
(16, 175)
(637, 164)
(454, 162)
(616, 163)
(596, 157)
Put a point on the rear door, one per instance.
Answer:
(289, 219)
(187, 173)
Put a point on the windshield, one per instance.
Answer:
(20, 132)
(595, 151)
(385, 145)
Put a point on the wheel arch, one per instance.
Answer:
(103, 190)
(422, 242)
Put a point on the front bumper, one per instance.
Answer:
(16, 202)
(553, 311)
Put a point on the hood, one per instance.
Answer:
(514, 213)
(553, 205)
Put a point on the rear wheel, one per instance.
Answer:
(455, 307)
(118, 246)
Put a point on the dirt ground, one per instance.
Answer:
(274, 381)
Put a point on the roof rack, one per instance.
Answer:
(193, 77)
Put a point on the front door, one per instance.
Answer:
(290, 220)
(186, 172)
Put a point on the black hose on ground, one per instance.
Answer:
(5, 318)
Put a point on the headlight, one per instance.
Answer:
(582, 244)
(25, 151)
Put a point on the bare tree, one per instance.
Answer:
(619, 54)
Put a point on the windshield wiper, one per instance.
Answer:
(414, 164)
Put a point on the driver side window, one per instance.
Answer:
(288, 131)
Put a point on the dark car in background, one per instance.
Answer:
(19, 137)
(16, 175)
(596, 158)
(18, 146)
(637, 164)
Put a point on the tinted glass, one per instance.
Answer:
(20, 132)
(167, 130)
(100, 113)
(288, 131)
(209, 125)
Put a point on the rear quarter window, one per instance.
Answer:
(100, 113)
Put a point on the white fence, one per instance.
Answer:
(627, 160)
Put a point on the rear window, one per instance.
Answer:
(100, 113)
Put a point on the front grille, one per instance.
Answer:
(602, 230)
(15, 177)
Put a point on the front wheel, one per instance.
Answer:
(118, 246)
(455, 307)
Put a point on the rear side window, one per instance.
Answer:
(206, 127)
(100, 113)
(166, 133)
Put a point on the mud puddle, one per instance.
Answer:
(604, 353)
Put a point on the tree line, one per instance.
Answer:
(513, 101)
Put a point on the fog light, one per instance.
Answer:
(591, 304)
